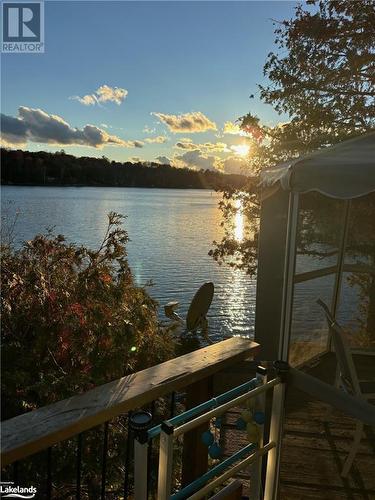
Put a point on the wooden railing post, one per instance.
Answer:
(165, 462)
(195, 454)
(277, 421)
(256, 468)
(140, 470)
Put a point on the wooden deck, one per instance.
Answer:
(316, 442)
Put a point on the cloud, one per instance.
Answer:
(135, 144)
(233, 165)
(87, 100)
(13, 130)
(218, 147)
(241, 149)
(148, 130)
(164, 160)
(232, 128)
(185, 145)
(38, 126)
(105, 93)
(186, 123)
(160, 139)
(135, 159)
(196, 159)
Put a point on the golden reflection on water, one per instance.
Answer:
(236, 305)
(238, 222)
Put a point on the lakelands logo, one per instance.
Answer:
(22, 27)
(8, 490)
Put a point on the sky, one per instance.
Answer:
(155, 81)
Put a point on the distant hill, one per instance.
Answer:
(60, 169)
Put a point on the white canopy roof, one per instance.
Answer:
(346, 170)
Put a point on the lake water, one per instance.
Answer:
(171, 233)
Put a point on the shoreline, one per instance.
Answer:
(109, 186)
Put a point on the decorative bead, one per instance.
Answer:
(259, 417)
(214, 451)
(218, 422)
(241, 424)
(247, 416)
(207, 438)
(252, 432)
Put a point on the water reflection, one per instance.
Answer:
(236, 305)
(239, 222)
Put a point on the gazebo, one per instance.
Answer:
(317, 240)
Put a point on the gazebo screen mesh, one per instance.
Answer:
(321, 224)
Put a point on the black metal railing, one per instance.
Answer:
(21, 476)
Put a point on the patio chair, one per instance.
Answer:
(347, 379)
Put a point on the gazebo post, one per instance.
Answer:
(271, 273)
(274, 299)
(289, 272)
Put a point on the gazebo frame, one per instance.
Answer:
(345, 171)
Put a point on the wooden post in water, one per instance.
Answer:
(195, 453)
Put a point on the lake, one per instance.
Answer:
(171, 232)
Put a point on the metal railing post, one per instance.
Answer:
(277, 421)
(165, 461)
(140, 423)
(256, 468)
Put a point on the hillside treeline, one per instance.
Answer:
(61, 169)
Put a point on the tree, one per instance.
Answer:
(322, 77)
(72, 318)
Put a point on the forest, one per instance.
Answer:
(61, 169)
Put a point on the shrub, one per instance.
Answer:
(72, 318)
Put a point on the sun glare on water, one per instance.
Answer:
(241, 149)
(239, 222)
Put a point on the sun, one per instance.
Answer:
(241, 149)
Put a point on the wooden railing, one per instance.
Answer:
(40, 429)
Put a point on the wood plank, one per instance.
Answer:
(290, 491)
(41, 428)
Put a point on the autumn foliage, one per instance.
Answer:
(72, 318)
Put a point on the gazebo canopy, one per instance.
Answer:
(345, 171)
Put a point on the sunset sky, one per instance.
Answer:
(157, 81)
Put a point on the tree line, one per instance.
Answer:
(60, 169)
